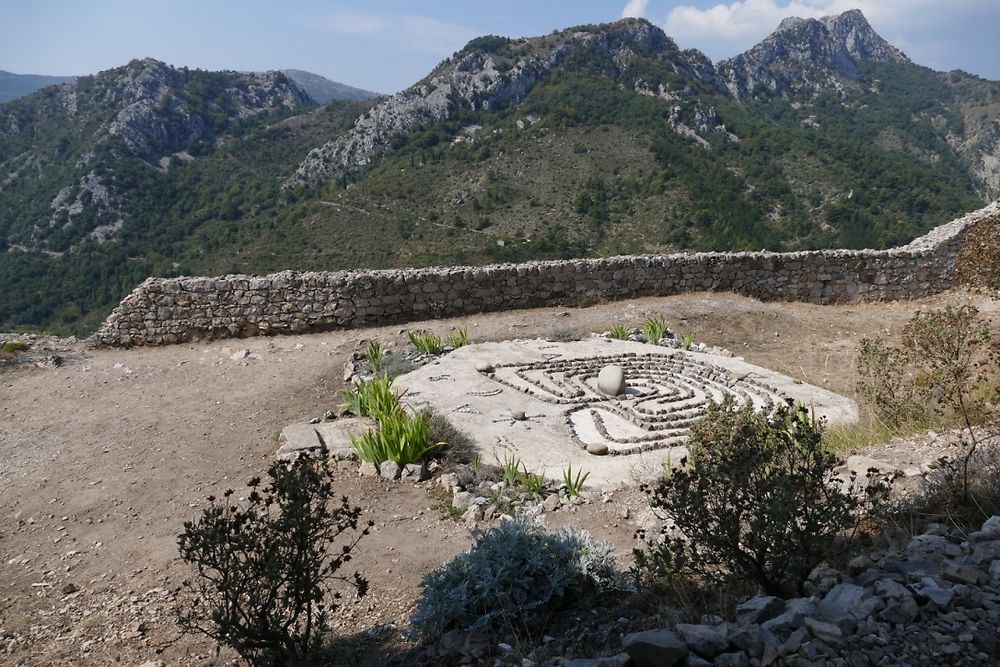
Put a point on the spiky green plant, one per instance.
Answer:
(401, 437)
(654, 328)
(375, 398)
(574, 484)
(510, 468)
(458, 338)
(426, 342)
(619, 332)
(687, 340)
(374, 355)
(533, 482)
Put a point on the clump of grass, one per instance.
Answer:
(458, 338)
(533, 482)
(574, 484)
(654, 328)
(510, 469)
(619, 332)
(687, 340)
(374, 354)
(427, 342)
(401, 437)
(13, 346)
(375, 398)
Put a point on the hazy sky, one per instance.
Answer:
(385, 45)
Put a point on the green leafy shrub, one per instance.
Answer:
(978, 262)
(13, 346)
(265, 569)
(513, 577)
(458, 338)
(754, 501)
(619, 332)
(947, 364)
(375, 398)
(426, 342)
(400, 437)
(654, 329)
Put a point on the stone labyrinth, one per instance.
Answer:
(664, 395)
(539, 401)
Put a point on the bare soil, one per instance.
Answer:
(104, 457)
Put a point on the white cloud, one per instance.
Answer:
(727, 28)
(421, 33)
(635, 9)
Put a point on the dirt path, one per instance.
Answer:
(103, 458)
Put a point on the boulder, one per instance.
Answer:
(611, 380)
(759, 609)
(299, 440)
(704, 640)
(336, 435)
(655, 648)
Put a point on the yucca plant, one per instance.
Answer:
(458, 338)
(574, 484)
(375, 398)
(654, 328)
(426, 342)
(401, 437)
(619, 332)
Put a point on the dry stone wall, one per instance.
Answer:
(173, 310)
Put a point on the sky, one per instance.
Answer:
(386, 45)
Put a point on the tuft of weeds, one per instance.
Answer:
(375, 398)
(458, 338)
(619, 332)
(510, 469)
(687, 340)
(427, 342)
(374, 354)
(14, 346)
(654, 328)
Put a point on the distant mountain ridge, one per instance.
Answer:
(13, 86)
(595, 140)
(323, 90)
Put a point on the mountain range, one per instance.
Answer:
(595, 140)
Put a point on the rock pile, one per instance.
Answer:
(930, 600)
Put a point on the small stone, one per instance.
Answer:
(484, 367)
(239, 355)
(389, 469)
(826, 632)
(462, 500)
(597, 448)
(69, 589)
(368, 469)
(518, 415)
(551, 503)
(415, 472)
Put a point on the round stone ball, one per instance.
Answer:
(611, 380)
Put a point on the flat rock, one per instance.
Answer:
(655, 648)
(299, 439)
(336, 435)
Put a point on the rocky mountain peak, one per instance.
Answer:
(491, 73)
(808, 56)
